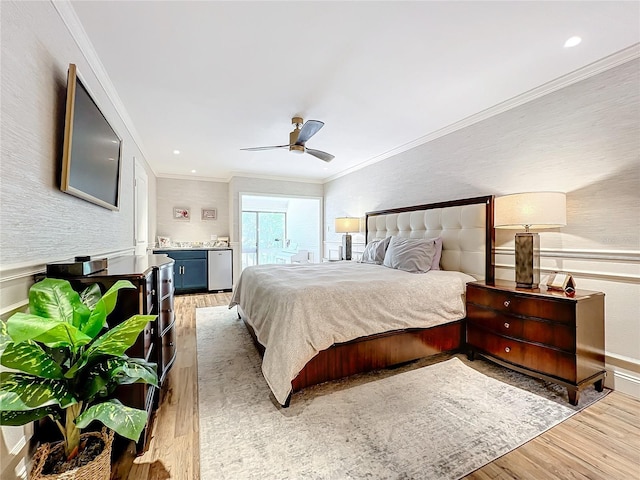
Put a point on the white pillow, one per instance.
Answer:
(435, 263)
(412, 255)
(374, 251)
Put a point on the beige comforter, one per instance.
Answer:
(299, 310)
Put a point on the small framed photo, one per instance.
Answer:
(164, 241)
(561, 281)
(209, 214)
(181, 213)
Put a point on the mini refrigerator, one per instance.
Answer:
(220, 270)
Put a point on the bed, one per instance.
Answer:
(318, 322)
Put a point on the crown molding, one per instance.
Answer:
(276, 178)
(599, 66)
(192, 177)
(74, 26)
(72, 22)
(238, 175)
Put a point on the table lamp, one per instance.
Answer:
(534, 210)
(346, 225)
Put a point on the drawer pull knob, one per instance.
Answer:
(506, 324)
(507, 349)
(507, 303)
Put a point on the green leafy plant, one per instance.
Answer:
(65, 362)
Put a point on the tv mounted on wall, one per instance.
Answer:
(92, 151)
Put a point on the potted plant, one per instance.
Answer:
(64, 363)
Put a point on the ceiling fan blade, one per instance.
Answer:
(327, 157)
(257, 149)
(308, 130)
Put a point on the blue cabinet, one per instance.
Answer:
(190, 269)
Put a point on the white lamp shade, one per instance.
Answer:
(347, 224)
(535, 210)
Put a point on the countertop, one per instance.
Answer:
(162, 249)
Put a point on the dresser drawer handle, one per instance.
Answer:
(507, 349)
(506, 325)
(507, 303)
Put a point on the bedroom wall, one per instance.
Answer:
(195, 195)
(39, 223)
(584, 140)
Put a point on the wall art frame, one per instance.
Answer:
(209, 214)
(180, 213)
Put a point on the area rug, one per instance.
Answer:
(423, 421)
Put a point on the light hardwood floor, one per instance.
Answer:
(601, 442)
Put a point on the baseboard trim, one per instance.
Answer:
(626, 383)
(620, 361)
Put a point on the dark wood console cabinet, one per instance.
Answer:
(152, 275)
(547, 334)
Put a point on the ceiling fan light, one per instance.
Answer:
(296, 148)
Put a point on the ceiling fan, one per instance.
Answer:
(299, 137)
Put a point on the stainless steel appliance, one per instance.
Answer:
(220, 270)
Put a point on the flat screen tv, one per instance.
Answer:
(92, 150)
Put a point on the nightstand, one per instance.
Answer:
(543, 333)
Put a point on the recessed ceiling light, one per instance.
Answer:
(193, 171)
(572, 42)
(176, 152)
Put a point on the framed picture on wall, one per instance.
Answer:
(209, 214)
(181, 213)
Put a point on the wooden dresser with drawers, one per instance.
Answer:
(152, 277)
(547, 334)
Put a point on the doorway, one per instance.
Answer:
(263, 237)
(280, 229)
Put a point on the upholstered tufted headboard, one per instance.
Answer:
(466, 228)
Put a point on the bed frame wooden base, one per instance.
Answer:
(373, 352)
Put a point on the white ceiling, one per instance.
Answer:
(208, 78)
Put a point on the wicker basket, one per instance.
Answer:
(98, 469)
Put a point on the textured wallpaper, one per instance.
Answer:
(583, 140)
(194, 195)
(39, 223)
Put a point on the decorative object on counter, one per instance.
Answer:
(535, 210)
(65, 362)
(347, 225)
(181, 213)
(222, 242)
(561, 281)
(164, 241)
(209, 214)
